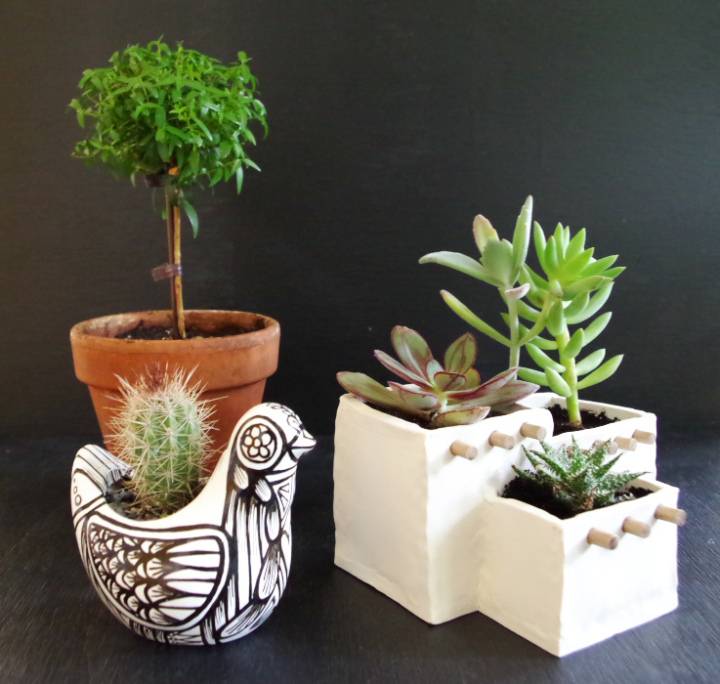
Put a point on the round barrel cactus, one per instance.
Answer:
(162, 429)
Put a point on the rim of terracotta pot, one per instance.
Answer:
(100, 332)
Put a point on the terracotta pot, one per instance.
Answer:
(233, 369)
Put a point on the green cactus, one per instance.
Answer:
(162, 429)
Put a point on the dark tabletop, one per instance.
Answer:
(329, 627)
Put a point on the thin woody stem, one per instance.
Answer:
(178, 305)
(173, 229)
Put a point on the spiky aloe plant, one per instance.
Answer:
(574, 288)
(579, 479)
(437, 394)
(501, 265)
(162, 429)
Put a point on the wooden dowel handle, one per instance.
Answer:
(458, 448)
(601, 538)
(636, 527)
(676, 516)
(626, 443)
(537, 432)
(500, 439)
(644, 436)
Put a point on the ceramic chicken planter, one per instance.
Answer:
(406, 507)
(213, 571)
(633, 432)
(577, 592)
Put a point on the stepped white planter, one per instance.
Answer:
(407, 510)
(634, 431)
(541, 578)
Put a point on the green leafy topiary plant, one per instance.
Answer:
(162, 430)
(501, 265)
(177, 117)
(574, 288)
(436, 394)
(577, 480)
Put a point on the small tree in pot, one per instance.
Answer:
(177, 117)
(181, 120)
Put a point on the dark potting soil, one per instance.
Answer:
(540, 495)
(122, 499)
(415, 419)
(590, 419)
(158, 332)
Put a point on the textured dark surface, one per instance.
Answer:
(391, 125)
(329, 627)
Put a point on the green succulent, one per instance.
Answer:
(162, 430)
(572, 289)
(436, 394)
(580, 479)
(501, 265)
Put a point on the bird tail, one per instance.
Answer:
(94, 471)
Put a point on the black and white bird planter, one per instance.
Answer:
(213, 571)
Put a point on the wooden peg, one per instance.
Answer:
(458, 448)
(600, 538)
(500, 439)
(644, 436)
(676, 516)
(537, 432)
(636, 527)
(626, 443)
(611, 446)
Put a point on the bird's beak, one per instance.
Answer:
(304, 442)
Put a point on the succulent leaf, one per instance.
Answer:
(497, 258)
(576, 343)
(462, 263)
(597, 300)
(445, 381)
(532, 375)
(460, 416)
(473, 319)
(521, 236)
(411, 348)
(542, 359)
(364, 387)
(398, 368)
(557, 383)
(461, 355)
(483, 232)
(596, 327)
(590, 362)
(601, 374)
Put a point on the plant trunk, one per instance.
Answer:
(173, 225)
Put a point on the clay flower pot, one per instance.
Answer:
(233, 368)
(213, 571)
(568, 584)
(407, 501)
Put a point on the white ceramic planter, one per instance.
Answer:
(632, 427)
(407, 510)
(213, 571)
(539, 576)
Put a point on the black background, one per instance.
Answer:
(392, 124)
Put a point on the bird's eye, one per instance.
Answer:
(259, 444)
